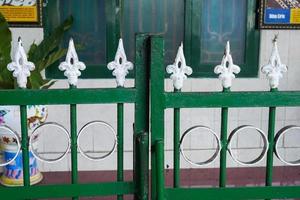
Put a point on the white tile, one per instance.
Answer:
(230, 162)
(205, 85)
(187, 85)
(293, 113)
(128, 136)
(103, 138)
(169, 114)
(294, 45)
(197, 156)
(105, 112)
(247, 155)
(169, 160)
(63, 165)
(169, 135)
(87, 165)
(292, 154)
(249, 114)
(169, 85)
(128, 160)
(129, 113)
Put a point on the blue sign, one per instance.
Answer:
(277, 16)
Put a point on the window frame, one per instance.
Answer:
(192, 40)
(113, 21)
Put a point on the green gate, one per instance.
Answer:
(150, 52)
(72, 97)
(161, 100)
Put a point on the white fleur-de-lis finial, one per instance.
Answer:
(72, 65)
(120, 65)
(227, 69)
(20, 66)
(274, 69)
(179, 69)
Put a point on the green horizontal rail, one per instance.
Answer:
(67, 96)
(273, 192)
(63, 191)
(232, 99)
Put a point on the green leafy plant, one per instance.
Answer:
(42, 55)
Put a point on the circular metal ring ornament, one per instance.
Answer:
(34, 135)
(14, 133)
(213, 157)
(279, 135)
(101, 157)
(260, 157)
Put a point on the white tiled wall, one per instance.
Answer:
(289, 47)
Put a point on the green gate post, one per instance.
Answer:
(141, 126)
(74, 160)
(157, 117)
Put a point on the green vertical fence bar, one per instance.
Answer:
(157, 115)
(176, 153)
(74, 159)
(223, 154)
(271, 132)
(25, 146)
(160, 169)
(141, 126)
(120, 106)
(120, 155)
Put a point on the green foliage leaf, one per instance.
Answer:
(51, 59)
(5, 47)
(5, 35)
(36, 81)
(48, 84)
(6, 84)
(50, 43)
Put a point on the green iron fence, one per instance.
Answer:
(161, 100)
(73, 96)
(149, 52)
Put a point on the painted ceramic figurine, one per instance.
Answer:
(10, 116)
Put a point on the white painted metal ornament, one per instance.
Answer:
(274, 69)
(189, 132)
(38, 131)
(234, 134)
(20, 66)
(103, 125)
(227, 69)
(282, 133)
(120, 65)
(179, 69)
(72, 65)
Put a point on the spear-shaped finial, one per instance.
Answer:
(274, 69)
(20, 66)
(227, 69)
(120, 65)
(72, 65)
(179, 69)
